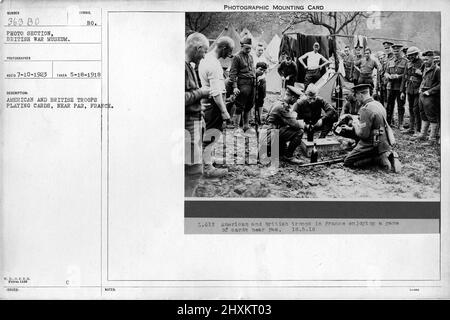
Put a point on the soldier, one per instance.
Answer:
(290, 129)
(287, 70)
(242, 77)
(196, 47)
(404, 51)
(437, 60)
(388, 50)
(382, 81)
(348, 60)
(211, 76)
(374, 141)
(380, 93)
(258, 55)
(310, 110)
(395, 68)
(313, 65)
(351, 105)
(410, 85)
(429, 99)
(365, 67)
(357, 61)
(261, 68)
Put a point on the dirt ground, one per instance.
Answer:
(419, 179)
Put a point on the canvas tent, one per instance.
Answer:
(273, 79)
(333, 88)
(260, 40)
(246, 33)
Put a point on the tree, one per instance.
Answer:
(334, 22)
(198, 21)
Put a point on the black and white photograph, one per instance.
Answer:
(313, 105)
(311, 163)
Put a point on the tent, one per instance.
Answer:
(273, 79)
(231, 32)
(246, 33)
(333, 88)
(260, 40)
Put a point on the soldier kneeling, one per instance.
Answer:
(374, 136)
(282, 118)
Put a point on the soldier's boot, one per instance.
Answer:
(432, 139)
(209, 171)
(383, 161)
(363, 163)
(409, 130)
(418, 126)
(289, 154)
(423, 131)
(396, 165)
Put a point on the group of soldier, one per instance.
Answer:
(403, 75)
(216, 98)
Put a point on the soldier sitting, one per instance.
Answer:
(282, 118)
(310, 111)
(373, 135)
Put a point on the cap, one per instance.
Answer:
(405, 49)
(261, 65)
(295, 90)
(387, 44)
(428, 53)
(397, 46)
(246, 41)
(312, 90)
(361, 87)
(412, 50)
(316, 44)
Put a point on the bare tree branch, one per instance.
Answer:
(356, 14)
(206, 24)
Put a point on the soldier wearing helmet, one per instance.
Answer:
(410, 86)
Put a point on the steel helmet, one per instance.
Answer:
(412, 50)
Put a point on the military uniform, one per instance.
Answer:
(355, 75)
(282, 118)
(311, 112)
(429, 99)
(410, 85)
(366, 67)
(193, 122)
(348, 61)
(288, 69)
(382, 81)
(242, 76)
(395, 67)
(371, 134)
(429, 105)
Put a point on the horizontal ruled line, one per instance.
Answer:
(54, 25)
(52, 43)
(58, 60)
(52, 78)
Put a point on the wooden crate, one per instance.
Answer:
(323, 145)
